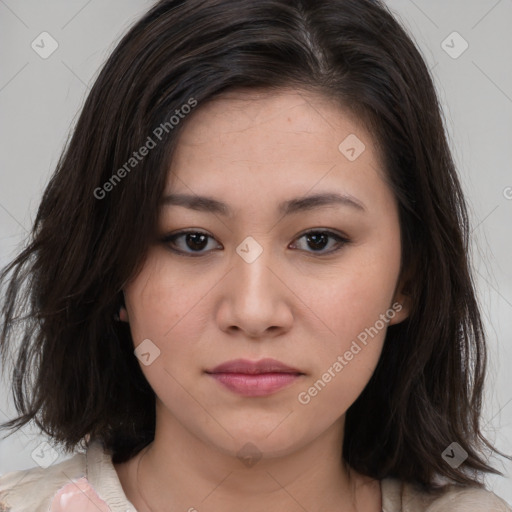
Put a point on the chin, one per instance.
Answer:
(254, 441)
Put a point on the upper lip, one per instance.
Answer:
(253, 367)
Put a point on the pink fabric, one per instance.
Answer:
(78, 496)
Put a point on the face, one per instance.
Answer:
(274, 273)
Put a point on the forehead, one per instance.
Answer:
(291, 111)
(273, 142)
(261, 126)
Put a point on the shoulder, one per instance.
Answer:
(404, 497)
(85, 482)
(32, 489)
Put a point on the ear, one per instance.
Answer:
(123, 314)
(401, 305)
(402, 300)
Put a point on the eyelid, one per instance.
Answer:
(342, 240)
(167, 239)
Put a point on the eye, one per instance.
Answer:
(319, 239)
(196, 242)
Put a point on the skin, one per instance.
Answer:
(296, 303)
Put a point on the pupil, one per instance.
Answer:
(315, 237)
(195, 243)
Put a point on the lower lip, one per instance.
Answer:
(261, 384)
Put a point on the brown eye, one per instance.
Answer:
(317, 241)
(194, 243)
(189, 242)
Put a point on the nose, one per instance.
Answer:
(255, 298)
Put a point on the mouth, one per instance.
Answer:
(255, 378)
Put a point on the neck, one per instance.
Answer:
(179, 471)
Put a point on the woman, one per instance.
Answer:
(248, 284)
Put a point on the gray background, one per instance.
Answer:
(40, 98)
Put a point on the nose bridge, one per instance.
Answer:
(254, 299)
(252, 274)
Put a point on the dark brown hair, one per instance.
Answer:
(64, 289)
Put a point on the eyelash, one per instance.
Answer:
(170, 239)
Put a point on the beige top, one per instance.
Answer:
(88, 482)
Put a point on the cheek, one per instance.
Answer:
(162, 307)
(160, 300)
(354, 297)
(357, 307)
(343, 366)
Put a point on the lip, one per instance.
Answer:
(255, 378)
(253, 367)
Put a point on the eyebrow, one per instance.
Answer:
(291, 206)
